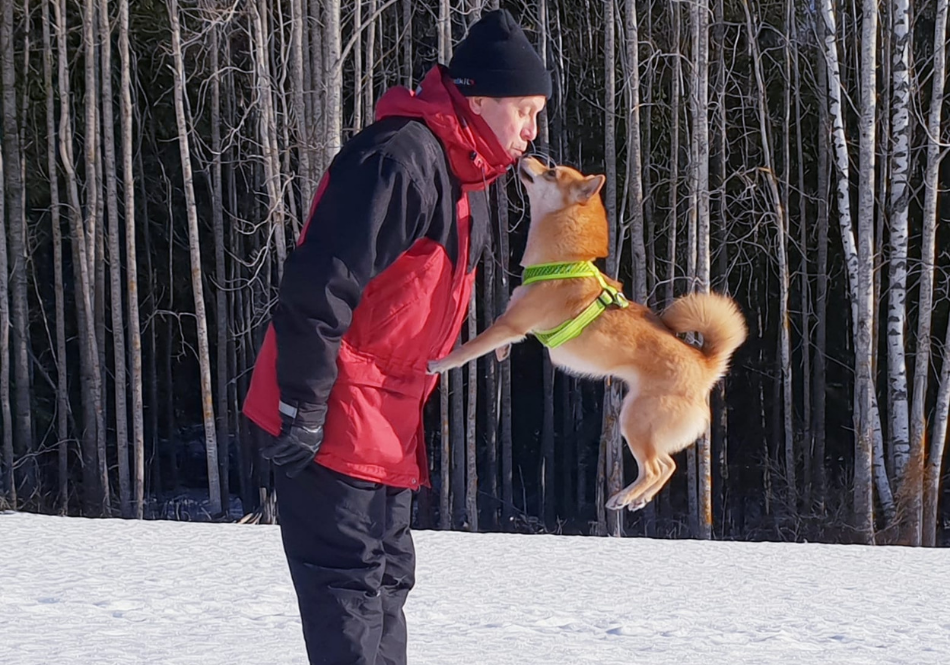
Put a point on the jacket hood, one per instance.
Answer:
(475, 155)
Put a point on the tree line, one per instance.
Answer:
(159, 159)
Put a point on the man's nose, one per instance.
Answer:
(530, 131)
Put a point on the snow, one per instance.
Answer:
(83, 591)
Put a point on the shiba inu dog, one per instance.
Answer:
(593, 331)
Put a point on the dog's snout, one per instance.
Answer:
(525, 170)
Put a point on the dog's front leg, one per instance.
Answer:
(510, 327)
(500, 335)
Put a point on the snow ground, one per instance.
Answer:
(78, 591)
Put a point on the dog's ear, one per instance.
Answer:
(588, 188)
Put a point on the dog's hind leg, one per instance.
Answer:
(667, 466)
(638, 433)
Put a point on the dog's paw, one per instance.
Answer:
(616, 502)
(502, 352)
(634, 506)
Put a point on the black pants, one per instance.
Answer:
(352, 562)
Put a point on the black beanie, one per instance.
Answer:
(496, 60)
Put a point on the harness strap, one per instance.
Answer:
(608, 297)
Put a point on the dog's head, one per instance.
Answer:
(551, 189)
(566, 211)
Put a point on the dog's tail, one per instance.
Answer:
(717, 318)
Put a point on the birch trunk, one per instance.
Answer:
(369, 88)
(220, 273)
(492, 393)
(333, 105)
(445, 462)
(317, 125)
(154, 468)
(548, 469)
(507, 490)
(821, 286)
(297, 18)
(214, 483)
(934, 463)
(406, 41)
(357, 124)
(267, 125)
(135, 335)
(471, 443)
(612, 439)
(62, 388)
(923, 505)
(864, 430)
(9, 455)
(805, 287)
(457, 439)
(634, 170)
(115, 265)
(700, 153)
(865, 456)
(781, 224)
(675, 159)
(17, 252)
(88, 352)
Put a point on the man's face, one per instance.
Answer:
(513, 119)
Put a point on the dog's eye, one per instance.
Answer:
(550, 174)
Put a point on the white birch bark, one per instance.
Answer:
(613, 441)
(9, 479)
(699, 93)
(131, 267)
(781, 224)
(864, 448)
(634, 167)
(115, 265)
(867, 460)
(924, 501)
(62, 395)
(211, 448)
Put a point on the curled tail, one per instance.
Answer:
(717, 318)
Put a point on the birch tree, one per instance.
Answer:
(115, 265)
(923, 504)
(864, 350)
(863, 504)
(9, 454)
(898, 425)
(17, 253)
(211, 448)
(781, 243)
(88, 351)
(699, 220)
(62, 390)
(611, 441)
(220, 270)
(131, 266)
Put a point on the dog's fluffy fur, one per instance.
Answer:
(669, 381)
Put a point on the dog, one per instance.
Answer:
(666, 406)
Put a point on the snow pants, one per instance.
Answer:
(352, 562)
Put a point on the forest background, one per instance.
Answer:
(159, 158)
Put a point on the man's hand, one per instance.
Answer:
(295, 448)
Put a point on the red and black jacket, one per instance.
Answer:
(380, 282)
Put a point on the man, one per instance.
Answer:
(378, 285)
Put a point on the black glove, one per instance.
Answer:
(296, 446)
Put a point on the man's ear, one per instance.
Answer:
(588, 188)
(476, 104)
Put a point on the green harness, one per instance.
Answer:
(609, 297)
